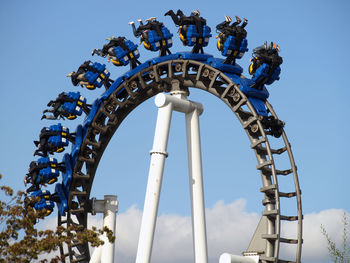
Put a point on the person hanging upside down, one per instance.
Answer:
(265, 66)
(120, 51)
(154, 35)
(53, 139)
(193, 29)
(91, 75)
(232, 40)
(43, 171)
(66, 105)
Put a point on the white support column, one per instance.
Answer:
(109, 219)
(166, 105)
(228, 258)
(155, 175)
(96, 255)
(196, 186)
(109, 208)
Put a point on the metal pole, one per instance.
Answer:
(166, 105)
(228, 258)
(109, 219)
(109, 207)
(96, 255)
(196, 186)
(155, 175)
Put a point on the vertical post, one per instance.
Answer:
(196, 186)
(166, 105)
(109, 219)
(155, 175)
(228, 258)
(109, 208)
(96, 255)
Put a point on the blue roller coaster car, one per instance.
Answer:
(53, 139)
(232, 39)
(48, 176)
(41, 172)
(152, 41)
(66, 105)
(45, 205)
(41, 201)
(265, 66)
(263, 73)
(74, 108)
(95, 78)
(120, 51)
(154, 36)
(193, 29)
(190, 36)
(90, 75)
(60, 140)
(122, 56)
(49, 161)
(229, 47)
(49, 173)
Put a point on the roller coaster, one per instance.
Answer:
(169, 72)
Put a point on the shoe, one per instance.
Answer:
(168, 13)
(238, 19)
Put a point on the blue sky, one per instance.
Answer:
(42, 41)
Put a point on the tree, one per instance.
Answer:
(20, 241)
(341, 255)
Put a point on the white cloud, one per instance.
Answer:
(315, 244)
(229, 229)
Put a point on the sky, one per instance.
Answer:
(42, 41)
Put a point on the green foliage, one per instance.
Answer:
(339, 255)
(20, 241)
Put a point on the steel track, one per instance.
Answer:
(188, 74)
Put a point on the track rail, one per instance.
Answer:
(119, 101)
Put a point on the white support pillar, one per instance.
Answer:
(109, 220)
(166, 105)
(96, 255)
(228, 258)
(155, 175)
(109, 208)
(196, 186)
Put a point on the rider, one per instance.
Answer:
(41, 172)
(40, 200)
(80, 77)
(53, 139)
(128, 49)
(154, 35)
(66, 105)
(185, 22)
(234, 33)
(265, 66)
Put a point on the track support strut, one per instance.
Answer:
(109, 208)
(167, 104)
